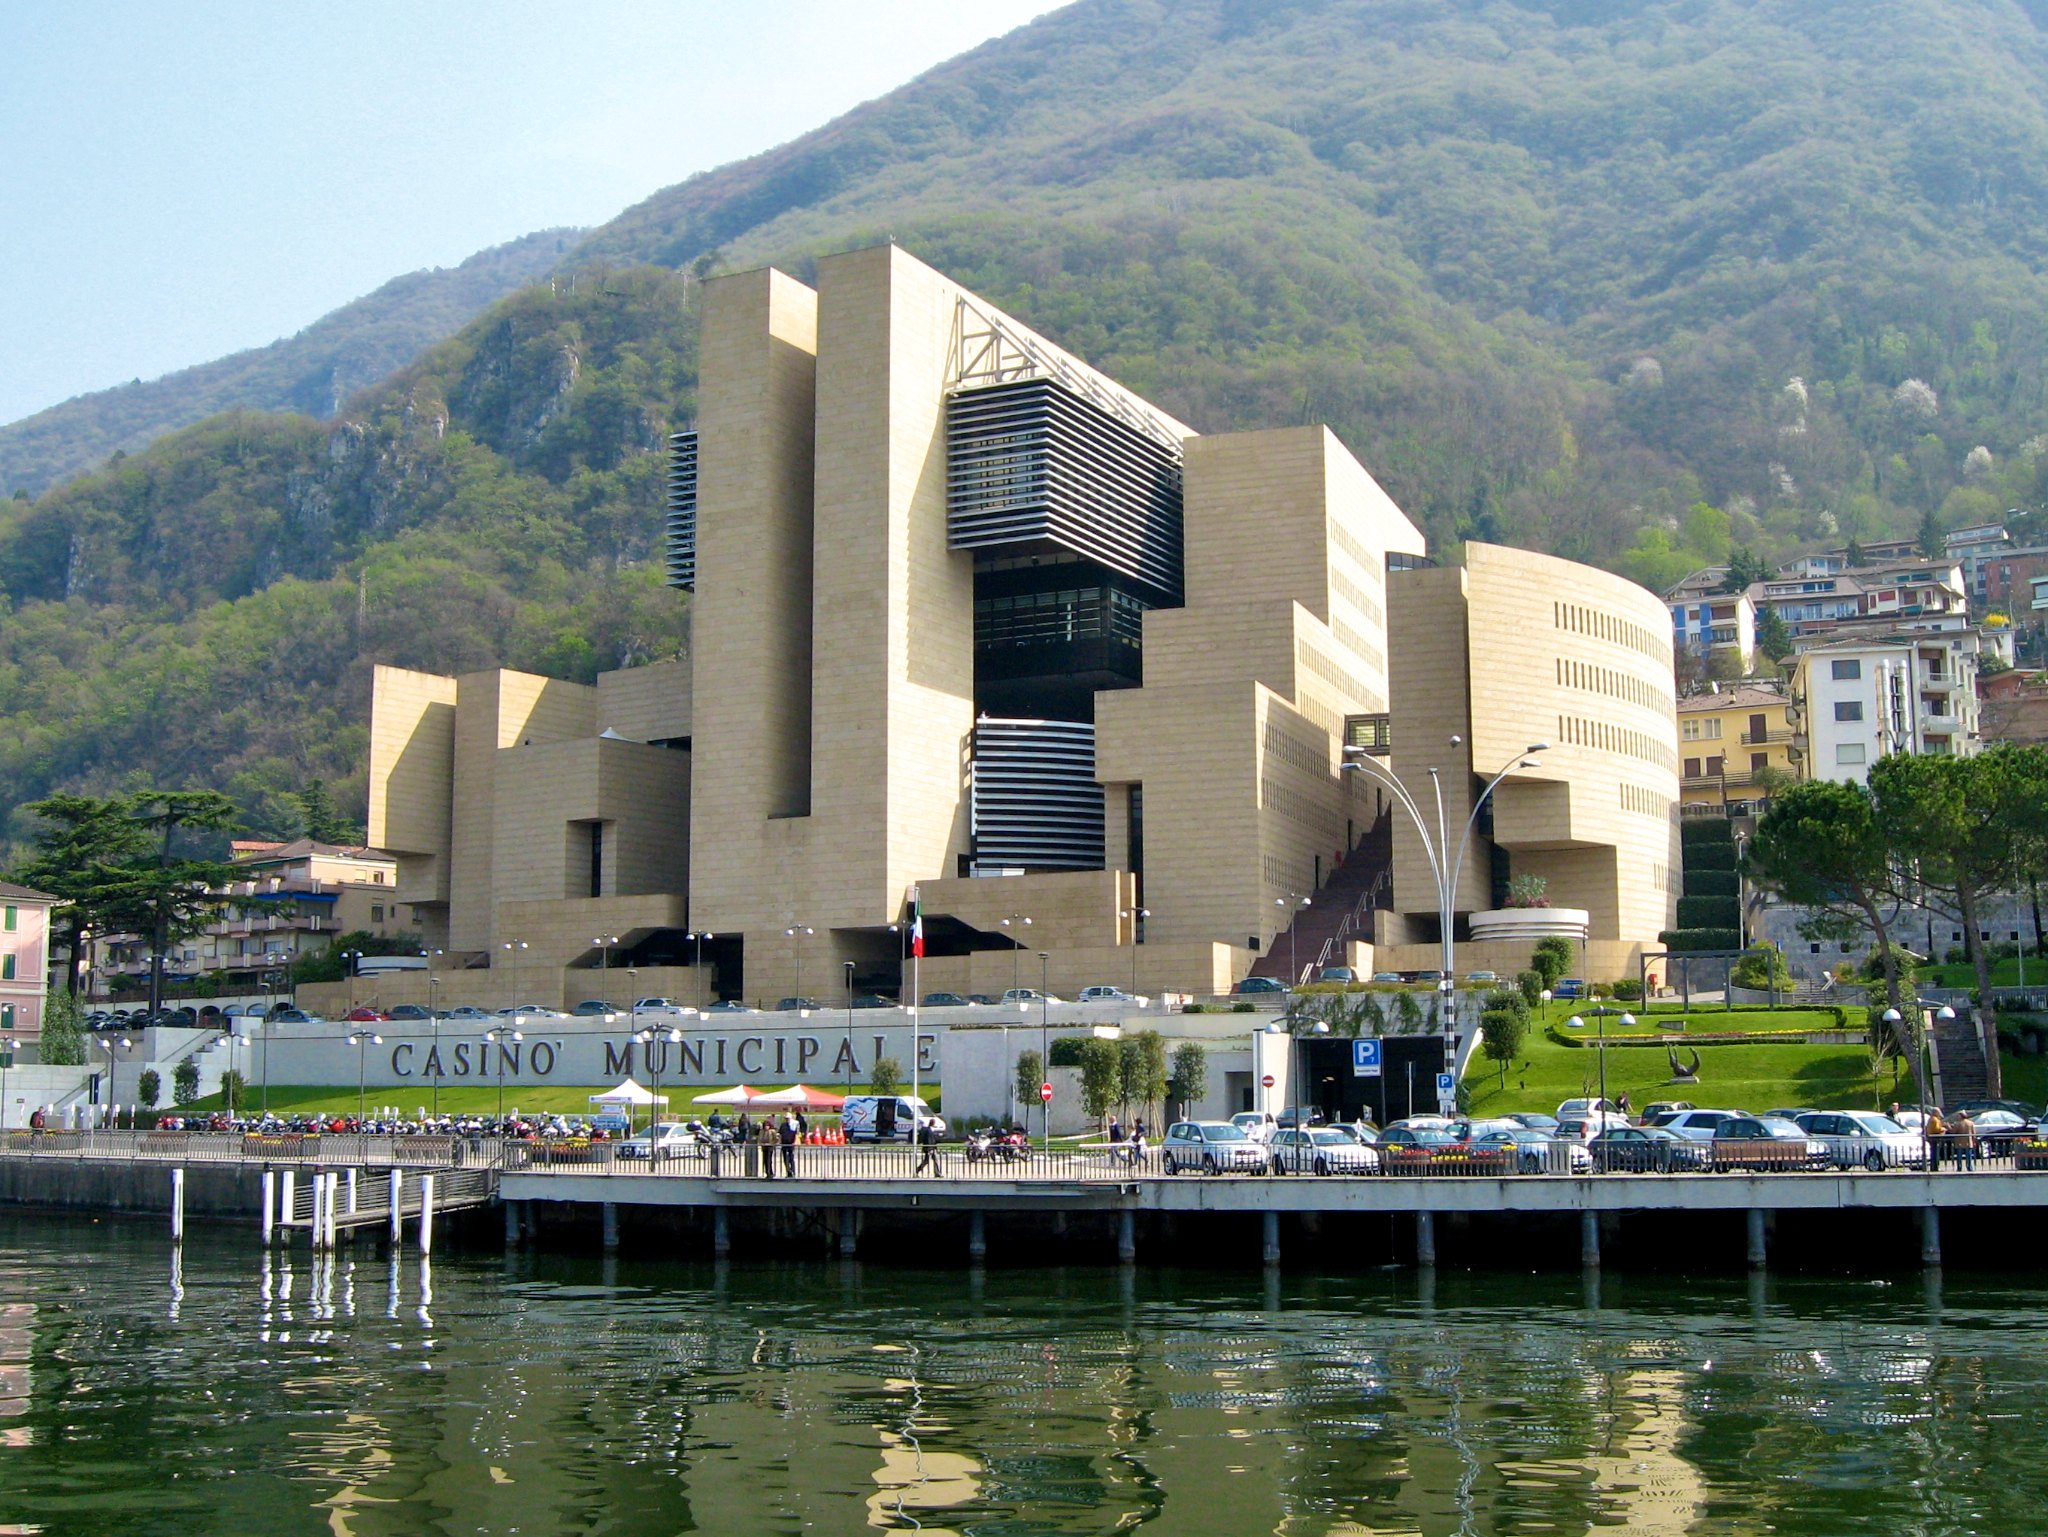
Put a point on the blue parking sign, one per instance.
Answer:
(1365, 1059)
(1446, 1090)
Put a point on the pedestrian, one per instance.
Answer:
(1965, 1131)
(1934, 1131)
(1137, 1143)
(788, 1135)
(766, 1141)
(927, 1142)
(1116, 1129)
(803, 1126)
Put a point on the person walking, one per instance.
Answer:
(928, 1148)
(1965, 1132)
(1116, 1130)
(788, 1135)
(766, 1141)
(1936, 1133)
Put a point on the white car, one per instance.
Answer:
(1112, 995)
(531, 1011)
(1863, 1137)
(1030, 995)
(669, 1139)
(1532, 1149)
(1696, 1125)
(1321, 1150)
(1254, 1125)
(663, 1006)
(1214, 1147)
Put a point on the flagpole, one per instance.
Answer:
(916, 994)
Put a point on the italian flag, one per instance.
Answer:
(916, 924)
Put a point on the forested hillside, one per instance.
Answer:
(314, 371)
(1628, 281)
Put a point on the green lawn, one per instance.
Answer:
(471, 1099)
(1663, 1019)
(1749, 1077)
(2004, 973)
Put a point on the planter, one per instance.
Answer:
(1516, 924)
(2031, 1156)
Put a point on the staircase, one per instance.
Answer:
(1961, 1055)
(1339, 912)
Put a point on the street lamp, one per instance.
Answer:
(6, 1062)
(271, 960)
(362, 1040)
(797, 933)
(1015, 921)
(354, 958)
(1600, 1011)
(497, 1038)
(647, 1038)
(1910, 1041)
(1320, 1027)
(1045, 1036)
(604, 961)
(697, 938)
(112, 1046)
(1445, 865)
(849, 1036)
(1137, 917)
(1294, 902)
(434, 1025)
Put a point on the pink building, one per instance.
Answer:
(24, 959)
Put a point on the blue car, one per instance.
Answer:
(1569, 987)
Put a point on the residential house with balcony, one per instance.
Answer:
(1733, 745)
(1713, 623)
(24, 960)
(1858, 699)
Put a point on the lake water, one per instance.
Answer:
(550, 1394)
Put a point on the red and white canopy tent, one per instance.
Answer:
(800, 1096)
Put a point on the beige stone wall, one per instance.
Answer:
(412, 777)
(646, 704)
(1518, 648)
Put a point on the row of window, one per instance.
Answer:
(1612, 628)
(1357, 597)
(1374, 657)
(1293, 750)
(1325, 825)
(1341, 679)
(1578, 732)
(1646, 802)
(1606, 680)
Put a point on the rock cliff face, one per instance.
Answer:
(314, 372)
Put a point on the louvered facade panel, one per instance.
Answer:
(1037, 805)
(681, 534)
(1031, 464)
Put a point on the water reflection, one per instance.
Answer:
(558, 1394)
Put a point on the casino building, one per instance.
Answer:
(971, 618)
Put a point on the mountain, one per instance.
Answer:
(312, 372)
(1630, 280)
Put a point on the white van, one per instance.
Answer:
(869, 1118)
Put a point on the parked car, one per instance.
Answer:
(1535, 1120)
(1977, 1107)
(594, 1008)
(1765, 1142)
(1112, 995)
(410, 1011)
(1337, 974)
(1531, 1150)
(1405, 1134)
(792, 1005)
(1569, 987)
(944, 1001)
(1214, 1147)
(1253, 1124)
(887, 1117)
(469, 1012)
(1424, 976)
(1646, 1150)
(668, 1139)
(1998, 1131)
(364, 1016)
(730, 1006)
(1699, 1125)
(1386, 976)
(873, 1001)
(531, 1011)
(295, 1017)
(1251, 985)
(1659, 1107)
(1863, 1138)
(1320, 1150)
(982, 998)
(1030, 995)
(1486, 977)
(663, 1006)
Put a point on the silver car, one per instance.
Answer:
(1214, 1147)
(1321, 1150)
(1863, 1138)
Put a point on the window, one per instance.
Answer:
(1714, 765)
(1759, 760)
(7, 967)
(8, 918)
(1689, 730)
(376, 913)
(1849, 752)
(377, 877)
(1692, 768)
(1848, 709)
(1845, 670)
(6, 1016)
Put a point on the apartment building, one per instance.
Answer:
(1733, 745)
(1858, 700)
(24, 959)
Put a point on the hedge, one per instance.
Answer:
(1711, 883)
(1695, 912)
(1690, 941)
(1700, 832)
(1709, 856)
(1065, 1050)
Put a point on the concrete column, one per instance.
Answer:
(1589, 1239)
(269, 1208)
(1126, 1237)
(1269, 1248)
(352, 1192)
(397, 1209)
(721, 1232)
(511, 1224)
(977, 1237)
(1757, 1254)
(611, 1224)
(1930, 1236)
(849, 1233)
(318, 1224)
(426, 1214)
(177, 1206)
(1425, 1238)
(285, 1200)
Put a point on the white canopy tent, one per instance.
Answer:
(738, 1094)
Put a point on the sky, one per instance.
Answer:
(181, 179)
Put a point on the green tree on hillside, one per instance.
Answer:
(79, 850)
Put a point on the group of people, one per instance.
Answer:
(1130, 1145)
(1951, 1137)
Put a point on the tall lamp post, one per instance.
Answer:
(362, 1040)
(697, 938)
(354, 960)
(6, 1062)
(1910, 1041)
(434, 1025)
(1446, 863)
(647, 1038)
(604, 965)
(1601, 1011)
(1018, 922)
(1293, 902)
(797, 933)
(271, 961)
(498, 1038)
(849, 1032)
(1137, 917)
(112, 1059)
(1045, 1036)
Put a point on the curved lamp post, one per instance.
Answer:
(1015, 921)
(6, 1062)
(1600, 1012)
(1137, 917)
(1911, 1043)
(647, 1038)
(112, 1059)
(605, 945)
(1294, 902)
(797, 933)
(362, 1040)
(498, 1038)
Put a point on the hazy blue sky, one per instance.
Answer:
(183, 178)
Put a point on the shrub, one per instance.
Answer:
(1528, 891)
(234, 1088)
(1703, 832)
(149, 1088)
(1244, 1008)
(1709, 856)
(887, 1078)
(1030, 1074)
(1628, 990)
(1711, 883)
(1762, 971)
(1066, 1050)
(1692, 941)
(1552, 958)
(185, 1082)
(1706, 913)
(1188, 1083)
(1099, 1076)
(1530, 985)
(62, 1043)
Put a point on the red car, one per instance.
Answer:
(364, 1016)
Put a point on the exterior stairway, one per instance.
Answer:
(1961, 1055)
(1339, 911)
